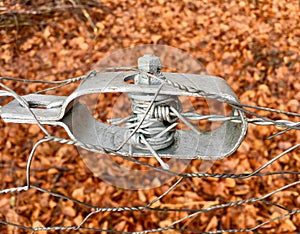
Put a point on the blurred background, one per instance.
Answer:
(253, 45)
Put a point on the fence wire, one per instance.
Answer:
(189, 214)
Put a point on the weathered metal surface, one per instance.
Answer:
(79, 124)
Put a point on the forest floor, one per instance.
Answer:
(253, 45)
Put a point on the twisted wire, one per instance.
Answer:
(224, 98)
(155, 124)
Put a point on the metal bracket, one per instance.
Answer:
(75, 118)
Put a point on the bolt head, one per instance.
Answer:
(149, 63)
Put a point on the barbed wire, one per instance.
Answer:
(191, 213)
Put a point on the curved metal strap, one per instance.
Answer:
(79, 124)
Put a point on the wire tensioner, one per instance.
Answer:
(151, 130)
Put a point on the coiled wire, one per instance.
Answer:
(158, 128)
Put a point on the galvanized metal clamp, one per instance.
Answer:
(151, 129)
